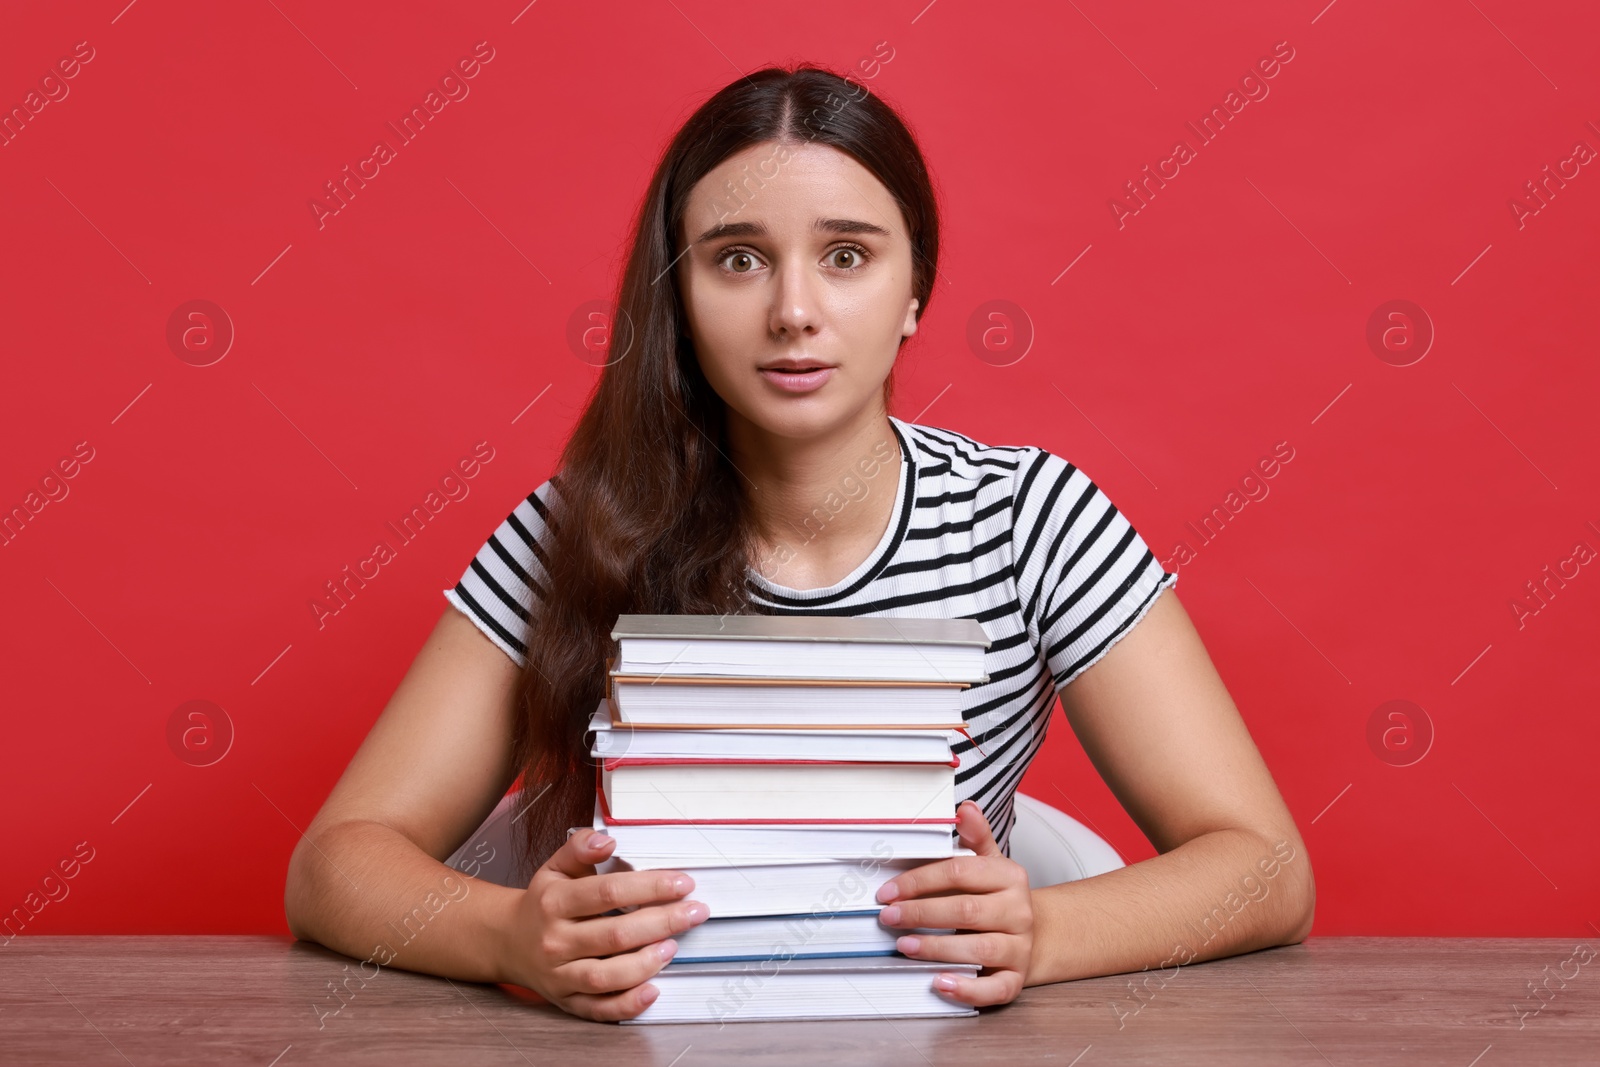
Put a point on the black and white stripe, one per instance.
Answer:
(1013, 536)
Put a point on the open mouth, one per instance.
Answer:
(802, 368)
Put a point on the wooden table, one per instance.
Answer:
(266, 1002)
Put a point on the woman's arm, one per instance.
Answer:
(367, 877)
(1232, 874)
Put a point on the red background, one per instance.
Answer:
(1228, 314)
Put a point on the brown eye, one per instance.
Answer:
(746, 260)
(857, 256)
(737, 258)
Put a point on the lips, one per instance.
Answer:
(798, 376)
(796, 366)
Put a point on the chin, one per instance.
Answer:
(813, 417)
(800, 418)
(798, 424)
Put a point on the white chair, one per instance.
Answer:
(487, 854)
(1051, 845)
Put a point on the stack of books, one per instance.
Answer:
(790, 765)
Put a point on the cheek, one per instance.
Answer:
(719, 312)
(867, 316)
(713, 323)
(882, 310)
(722, 337)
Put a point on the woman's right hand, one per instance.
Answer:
(565, 948)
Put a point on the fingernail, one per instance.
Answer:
(890, 916)
(945, 982)
(650, 994)
(887, 892)
(683, 883)
(666, 948)
(697, 911)
(599, 840)
(908, 944)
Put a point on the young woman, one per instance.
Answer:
(738, 455)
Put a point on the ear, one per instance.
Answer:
(909, 327)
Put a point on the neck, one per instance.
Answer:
(818, 491)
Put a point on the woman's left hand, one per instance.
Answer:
(986, 894)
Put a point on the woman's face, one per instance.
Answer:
(797, 254)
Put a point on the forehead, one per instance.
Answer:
(788, 192)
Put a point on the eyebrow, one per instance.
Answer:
(757, 229)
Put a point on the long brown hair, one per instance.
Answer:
(648, 515)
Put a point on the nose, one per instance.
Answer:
(796, 301)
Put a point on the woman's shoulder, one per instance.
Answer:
(507, 573)
(519, 533)
(1048, 493)
(515, 548)
(939, 450)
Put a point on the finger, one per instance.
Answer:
(614, 973)
(968, 911)
(611, 1007)
(611, 934)
(987, 949)
(579, 853)
(975, 831)
(1002, 987)
(600, 893)
(966, 874)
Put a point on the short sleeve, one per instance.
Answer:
(1084, 575)
(498, 588)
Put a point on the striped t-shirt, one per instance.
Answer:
(1010, 535)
